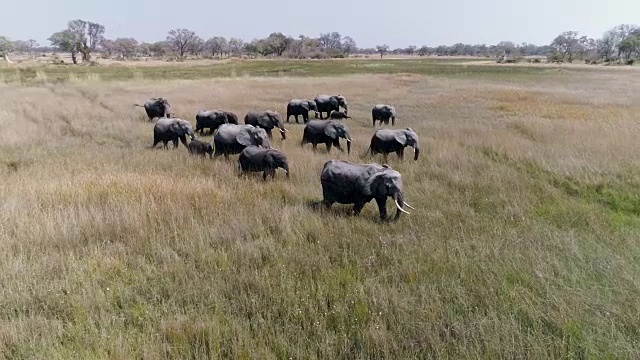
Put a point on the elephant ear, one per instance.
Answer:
(177, 128)
(375, 184)
(265, 120)
(331, 131)
(244, 138)
(401, 137)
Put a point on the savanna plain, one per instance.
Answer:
(524, 244)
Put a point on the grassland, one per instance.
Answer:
(204, 69)
(525, 243)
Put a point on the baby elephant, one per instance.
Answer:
(254, 159)
(338, 115)
(197, 147)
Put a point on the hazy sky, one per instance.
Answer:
(369, 22)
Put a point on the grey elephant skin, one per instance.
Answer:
(197, 147)
(383, 113)
(254, 159)
(348, 183)
(301, 107)
(339, 115)
(267, 120)
(386, 141)
(156, 108)
(212, 119)
(329, 103)
(327, 132)
(232, 139)
(172, 129)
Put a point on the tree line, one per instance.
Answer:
(81, 39)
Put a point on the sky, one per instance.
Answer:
(397, 23)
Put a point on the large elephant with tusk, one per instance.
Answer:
(267, 120)
(327, 132)
(348, 183)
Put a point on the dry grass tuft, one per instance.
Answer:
(524, 244)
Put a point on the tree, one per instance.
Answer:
(196, 46)
(66, 41)
(6, 47)
(159, 48)
(235, 46)
(88, 35)
(382, 49)
(252, 48)
(331, 41)
(424, 51)
(630, 46)
(108, 47)
(125, 47)
(215, 45)
(276, 43)
(566, 44)
(349, 46)
(180, 40)
(144, 49)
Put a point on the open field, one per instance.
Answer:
(525, 243)
(478, 68)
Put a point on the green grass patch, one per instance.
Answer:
(270, 68)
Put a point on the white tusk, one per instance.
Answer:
(401, 209)
(409, 206)
(285, 130)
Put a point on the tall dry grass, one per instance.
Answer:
(524, 244)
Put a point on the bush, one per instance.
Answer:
(630, 62)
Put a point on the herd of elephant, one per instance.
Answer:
(342, 181)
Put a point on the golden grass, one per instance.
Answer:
(524, 244)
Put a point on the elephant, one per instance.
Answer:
(231, 139)
(197, 147)
(339, 115)
(385, 141)
(328, 132)
(172, 129)
(267, 120)
(254, 159)
(329, 103)
(349, 183)
(302, 107)
(383, 113)
(212, 119)
(157, 108)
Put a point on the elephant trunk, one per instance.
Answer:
(283, 131)
(286, 169)
(348, 145)
(416, 152)
(398, 199)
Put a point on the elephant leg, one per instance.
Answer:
(329, 144)
(165, 143)
(264, 175)
(175, 143)
(382, 207)
(155, 142)
(269, 134)
(357, 207)
(315, 146)
(374, 122)
(183, 140)
(400, 153)
(303, 119)
(393, 121)
(337, 145)
(226, 156)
